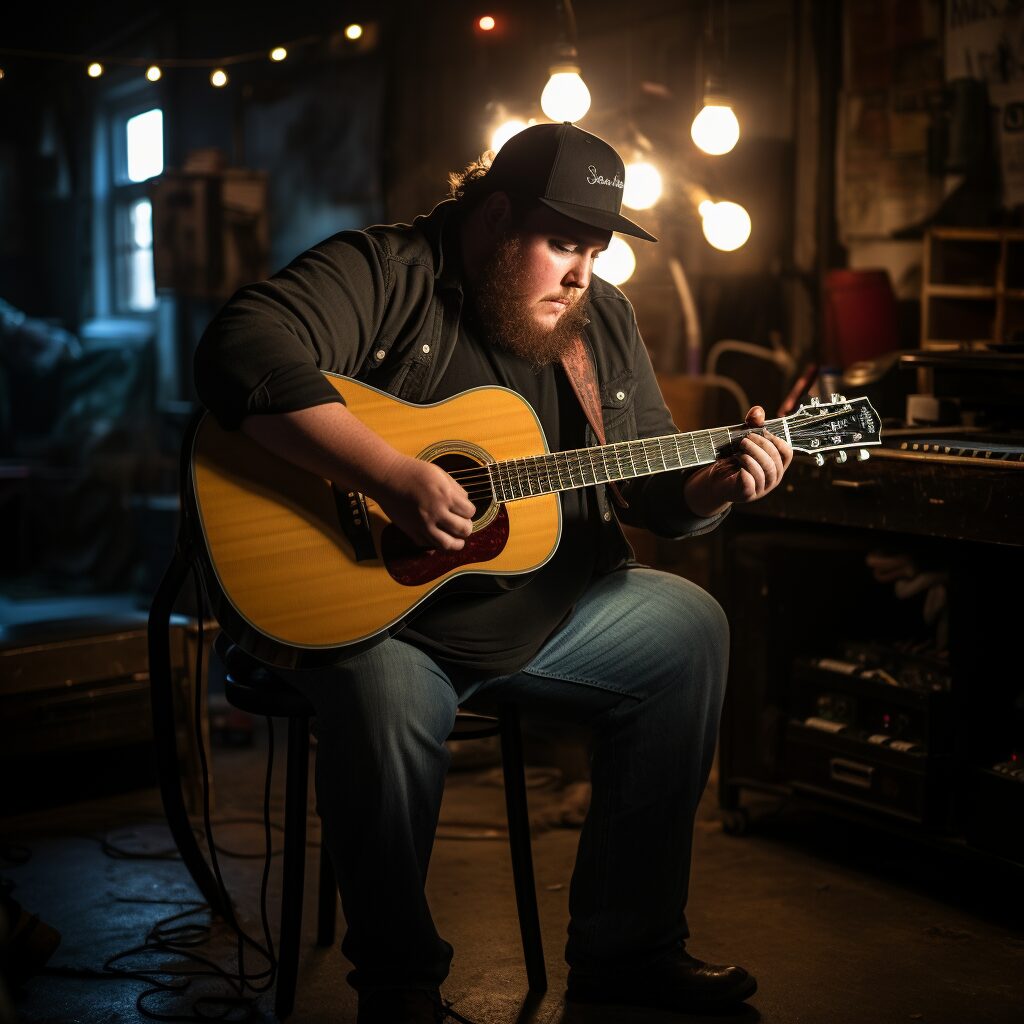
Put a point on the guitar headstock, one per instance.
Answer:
(834, 426)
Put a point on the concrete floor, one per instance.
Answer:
(840, 926)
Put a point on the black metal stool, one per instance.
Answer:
(252, 687)
(256, 689)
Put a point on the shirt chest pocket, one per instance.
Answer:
(617, 407)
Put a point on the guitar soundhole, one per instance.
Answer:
(473, 478)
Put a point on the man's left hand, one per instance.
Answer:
(755, 470)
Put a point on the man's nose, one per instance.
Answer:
(578, 275)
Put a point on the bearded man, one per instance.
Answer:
(494, 287)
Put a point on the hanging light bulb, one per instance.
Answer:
(153, 73)
(726, 225)
(617, 263)
(219, 78)
(715, 129)
(278, 53)
(643, 185)
(505, 131)
(95, 69)
(566, 96)
(353, 31)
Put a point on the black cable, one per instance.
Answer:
(171, 936)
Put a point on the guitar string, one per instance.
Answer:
(534, 465)
(537, 470)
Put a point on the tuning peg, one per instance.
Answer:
(840, 457)
(815, 401)
(863, 455)
(838, 398)
(819, 459)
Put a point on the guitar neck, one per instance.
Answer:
(514, 479)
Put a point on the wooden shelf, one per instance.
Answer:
(970, 275)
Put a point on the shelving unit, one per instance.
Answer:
(972, 293)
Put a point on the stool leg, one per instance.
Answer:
(327, 899)
(514, 771)
(294, 866)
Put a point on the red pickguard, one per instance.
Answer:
(413, 566)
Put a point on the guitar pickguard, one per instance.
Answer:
(412, 566)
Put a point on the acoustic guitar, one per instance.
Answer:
(301, 572)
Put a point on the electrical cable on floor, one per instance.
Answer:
(167, 936)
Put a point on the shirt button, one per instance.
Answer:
(426, 349)
(607, 517)
(620, 395)
(380, 354)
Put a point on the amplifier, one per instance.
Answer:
(873, 728)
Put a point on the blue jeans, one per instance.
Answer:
(641, 663)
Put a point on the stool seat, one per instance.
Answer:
(261, 692)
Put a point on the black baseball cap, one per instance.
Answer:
(568, 169)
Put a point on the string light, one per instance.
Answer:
(219, 78)
(155, 71)
(486, 23)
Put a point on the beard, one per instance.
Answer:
(509, 321)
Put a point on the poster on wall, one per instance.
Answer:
(1008, 103)
(985, 40)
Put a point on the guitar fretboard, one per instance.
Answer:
(624, 460)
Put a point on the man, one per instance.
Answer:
(492, 288)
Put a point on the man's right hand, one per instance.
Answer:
(426, 504)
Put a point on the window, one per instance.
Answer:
(138, 156)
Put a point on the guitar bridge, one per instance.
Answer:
(355, 523)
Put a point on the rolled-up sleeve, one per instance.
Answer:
(263, 352)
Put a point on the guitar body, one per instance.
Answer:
(290, 584)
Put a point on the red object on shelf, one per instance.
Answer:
(860, 316)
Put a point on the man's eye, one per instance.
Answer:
(562, 247)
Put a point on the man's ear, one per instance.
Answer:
(497, 214)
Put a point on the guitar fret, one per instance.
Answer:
(551, 464)
(629, 452)
(579, 462)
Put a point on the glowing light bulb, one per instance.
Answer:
(505, 131)
(353, 31)
(278, 53)
(486, 23)
(617, 263)
(643, 185)
(218, 79)
(566, 96)
(715, 129)
(94, 70)
(726, 225)
(153, 73)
